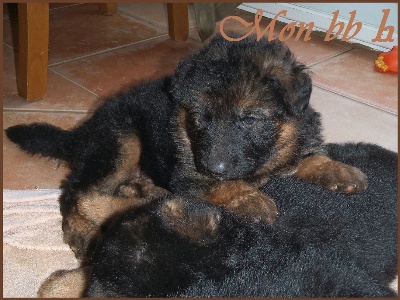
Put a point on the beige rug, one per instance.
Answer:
(32, 241)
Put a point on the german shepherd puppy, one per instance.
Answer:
(232, 115)
(323, 244)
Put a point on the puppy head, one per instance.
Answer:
(231, 98)
(256, 66)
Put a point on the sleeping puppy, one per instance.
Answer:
(232, 115)
(324, 244)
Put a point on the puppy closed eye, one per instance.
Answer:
(248, 121)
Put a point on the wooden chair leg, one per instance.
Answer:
(178, 21)
(108, 8)
(33, 24)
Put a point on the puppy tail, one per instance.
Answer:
(43, 139)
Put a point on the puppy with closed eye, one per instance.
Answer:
(231, 116)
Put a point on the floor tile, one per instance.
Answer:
(353, 75)
(153, 13)
(345, 120)
(61, 94)
(110, 72)
(81, 30)
(94, 56)
(23, 171)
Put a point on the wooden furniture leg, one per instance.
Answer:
(208, 13)
(178, 21)
(33, 22)
(108, 8)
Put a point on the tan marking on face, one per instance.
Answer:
(244, 103)
(285, 146)
(183, 143)
(287, 141)
(173, 210)
(182, 127)
(198, 227)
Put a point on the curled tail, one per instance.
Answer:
(43, 139)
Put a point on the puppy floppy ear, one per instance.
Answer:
(297, 91)
(180, 75)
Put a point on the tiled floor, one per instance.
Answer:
(92, 56)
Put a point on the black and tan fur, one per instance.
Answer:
(232, 115)
(324, 244)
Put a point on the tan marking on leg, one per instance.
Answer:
(127, 164)
(80, 234)
(244, 200)
(94, 209)
(117, 193)
(65, 284)
(332, 175)
(98, 207)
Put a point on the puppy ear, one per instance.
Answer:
(297, 91)
(179, 76)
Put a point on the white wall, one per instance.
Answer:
(369, 14)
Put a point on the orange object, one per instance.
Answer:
(387, 61)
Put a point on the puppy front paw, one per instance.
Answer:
(257, 207)
(332, 175)
(243, 200)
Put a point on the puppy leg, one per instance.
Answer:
(80, 234)
(83, 227)
(87, 203)
(99, 208)
(94, 209)
(140, 187)
(65, 284)
(244, 200)
(333, 175)
(84, 214)
(194, 219)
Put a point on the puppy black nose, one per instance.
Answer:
(217, 169)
